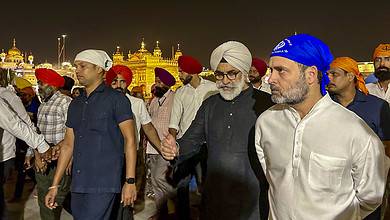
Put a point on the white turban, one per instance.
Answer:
(97, 57)
(235, 53)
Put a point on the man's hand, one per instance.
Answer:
(27, 162)
(51, 197)
(40, 165)
(68, 170)
(129, 194)
(55, 152)
(169, 149)
(46, 156)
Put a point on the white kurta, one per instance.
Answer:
(186, 103)
(376, 90)
(328, 165)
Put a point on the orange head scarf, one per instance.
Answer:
(351, 66)
(381, 50)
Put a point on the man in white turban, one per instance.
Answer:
(100, 138)
(235, 187)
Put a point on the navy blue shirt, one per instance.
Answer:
(374, 111)
(98, 152)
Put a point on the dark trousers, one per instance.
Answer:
(375, 215)
(119, 212)
(92, 206)
(183, 200)
(20, 180)
(5, 171)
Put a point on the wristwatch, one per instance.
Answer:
(130, 180)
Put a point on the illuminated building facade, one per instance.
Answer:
(142, 64)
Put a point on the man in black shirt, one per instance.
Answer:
(226, 123)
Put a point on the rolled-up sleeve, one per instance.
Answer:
(13, 124)
(177, 111)
(369, 172)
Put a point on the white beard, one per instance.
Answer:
(236, 89)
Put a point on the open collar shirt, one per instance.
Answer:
(377, 90)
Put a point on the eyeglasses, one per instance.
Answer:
(230, 75)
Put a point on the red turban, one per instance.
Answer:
(49, 77)
(189, 65)
(164, 76)
(260, 66)
(119, 70)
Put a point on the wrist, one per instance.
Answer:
(53, 187)
(130, 180)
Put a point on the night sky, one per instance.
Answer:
(199, 26)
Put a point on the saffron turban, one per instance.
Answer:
(381, 50)
(49, 77)
(164, 76)
(97, 57)
(351, 66)
(119, 70)
(307, 50)
(189, 65)
(21, 83)
(260, 66)
(235, 53)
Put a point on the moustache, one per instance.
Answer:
(381, 68)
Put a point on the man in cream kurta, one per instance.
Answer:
(322, 161)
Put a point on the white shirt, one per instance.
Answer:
(377, 90)
(8, 140)
(140, 113)
(10, 122)
(328, 165)
(186, 103)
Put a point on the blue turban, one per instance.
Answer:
(307, 50)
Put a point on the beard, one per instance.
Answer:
(120, 90)
(382, 73)
(46, 92)
(186, 80)
(233, 89)
(254, 79)
(294, 95)
(160, 91)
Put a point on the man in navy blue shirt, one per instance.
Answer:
(99, 136)
(347, 88)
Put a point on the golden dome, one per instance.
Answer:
(14, 50)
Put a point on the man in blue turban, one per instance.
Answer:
(321, 160)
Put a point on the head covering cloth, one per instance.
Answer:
(235, 53)
(164, 76)
(119, 70)
(49, 77)
(189, 65)
(98, 57)
(307, 50)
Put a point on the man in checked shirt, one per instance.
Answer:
(52, 114)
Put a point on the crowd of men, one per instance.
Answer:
(308, 140)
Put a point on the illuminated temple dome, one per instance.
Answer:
(14, 55)
(142, 63)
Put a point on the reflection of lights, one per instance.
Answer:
(63, 36)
